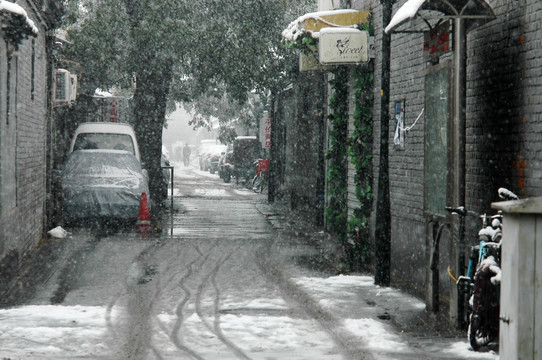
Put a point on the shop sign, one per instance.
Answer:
(343, 46)
(265, 130)
(114, 111)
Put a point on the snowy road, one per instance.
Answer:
(218, 283)
(197, 291)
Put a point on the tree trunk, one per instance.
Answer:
(149, 112)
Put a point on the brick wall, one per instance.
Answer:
(504, 127)
(22, 221)
(408, 255)
(504, 104)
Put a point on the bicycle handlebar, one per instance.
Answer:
(506, 194)
(462, 211)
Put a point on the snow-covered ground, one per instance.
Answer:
(262, 328)
(341, 295)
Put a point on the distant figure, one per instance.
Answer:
(186, 154)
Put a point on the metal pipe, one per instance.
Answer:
(383, 212)
(459, 147)
(460, 85)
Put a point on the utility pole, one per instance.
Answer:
(383, 212)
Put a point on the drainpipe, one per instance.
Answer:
(459, 136)
(383, 212)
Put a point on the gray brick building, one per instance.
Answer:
(503, 129)
(25, 108)
(502, 117)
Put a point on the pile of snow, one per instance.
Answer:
(58, 233)
(17, 10)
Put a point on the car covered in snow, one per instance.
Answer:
(225, 166)
(100, 185)
(213, 158)
(204, 153)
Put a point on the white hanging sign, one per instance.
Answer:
(343, 46)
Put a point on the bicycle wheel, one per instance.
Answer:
(257, 184)
(227, 177)
(477, 336)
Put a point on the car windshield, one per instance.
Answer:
(88, 141)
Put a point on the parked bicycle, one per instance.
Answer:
(480, 286)
(262, 175)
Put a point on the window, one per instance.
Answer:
(33, 71)
(437, 114)
(8, 139)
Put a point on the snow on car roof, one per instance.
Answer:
(105, 127)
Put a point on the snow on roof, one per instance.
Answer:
(478, 10)
(405, 12)
(295, 29)
(19, 11)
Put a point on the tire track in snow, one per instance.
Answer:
(141, 292)
(215, 327)
(174, 334)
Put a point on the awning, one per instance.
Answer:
(476, 11)
(311, 23)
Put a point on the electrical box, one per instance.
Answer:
(65, 90)
(521, 285)
(62, 86)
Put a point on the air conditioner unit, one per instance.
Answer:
(73, 87)
(62, 86)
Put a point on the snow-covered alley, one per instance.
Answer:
(224, 280)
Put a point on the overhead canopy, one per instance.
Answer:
(476, 11)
